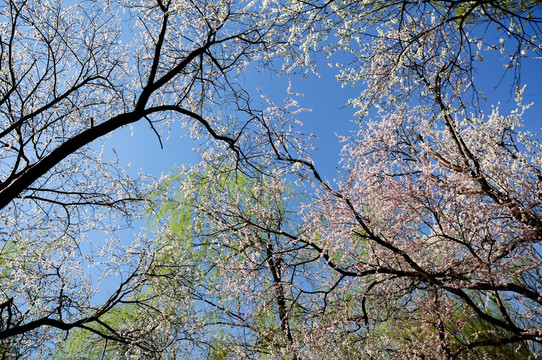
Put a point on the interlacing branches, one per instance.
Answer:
(70, 75)
(426, 246)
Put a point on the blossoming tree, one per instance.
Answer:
(426, 246)
(437, 212)
(70, 74)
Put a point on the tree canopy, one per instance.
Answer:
(427, 245)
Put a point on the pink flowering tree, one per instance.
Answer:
(448, 242)
(437, 212)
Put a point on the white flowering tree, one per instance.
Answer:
(70, 74)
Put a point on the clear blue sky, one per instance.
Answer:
(324, 96)
(140, 147)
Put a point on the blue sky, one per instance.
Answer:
(139, 145)
(326, 98)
